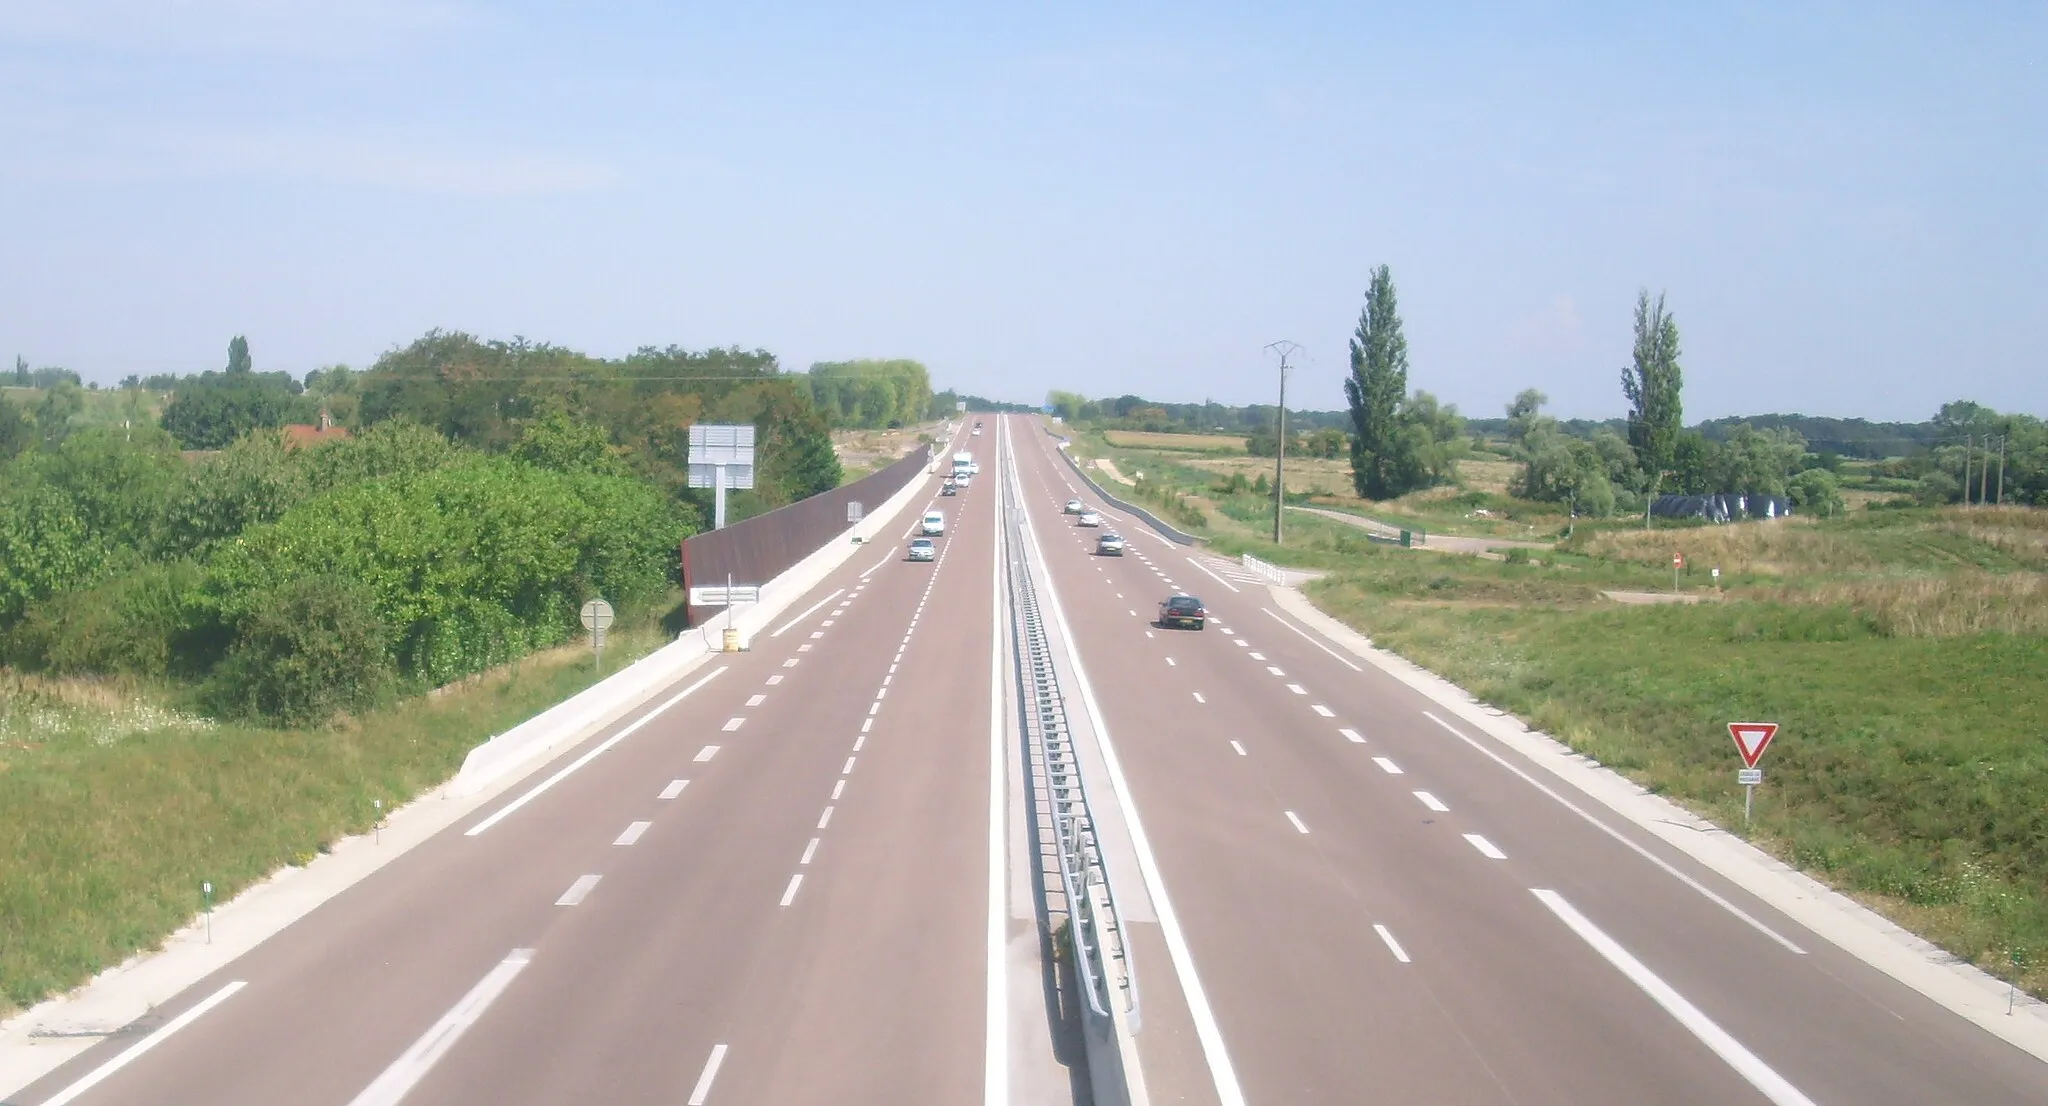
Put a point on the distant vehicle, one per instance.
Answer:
(977, 431)
(963, 461)
(950, 488)
(934, 523)
(922, 549)
(1088, 518)
(974, 468)
(1110, 545)
(1182, 610)
(963, 479)
(1074, 507)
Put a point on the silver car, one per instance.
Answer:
(1089, 518)
(922, 549)
(1110, 545)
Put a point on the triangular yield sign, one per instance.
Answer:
(1751, 739)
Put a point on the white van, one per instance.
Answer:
(934, 523)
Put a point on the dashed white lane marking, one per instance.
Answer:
(702, 1090)
(1240, 643)
(1199, 699)
(881, 693)
(1296, 819)
(859, 741)
(99, 1074)
(827, 622)
(1341, 659)
(1352, 736)
(892, 668)
(838, 789)
(790, 663)
(847, 770)
(1170, 664)
(412, 1065)
(706, 753)
(1746, 1064)
(886, 679)
(813, 609)
(674, 788)
(1132, 613)
(1239, 747)
(804, 648)
(867, 724)
(1148, 633)
(1486, 848)
(732, 724)
(1431, 801)
(1393, 946)
(810, 851)
(1262, 656)
(775, 679)
(534, 793)
(1610, 831)
(1119, 595)
(789, 893)
(816, 634)
(825, 819)
(1387, 766)
(873, 707)
(578, 890)
(1324, 711)
(632, 833)
(1297, 689)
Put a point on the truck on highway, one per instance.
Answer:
(963, 461)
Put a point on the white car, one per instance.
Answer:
(1089, 518)
(1110, 545)
(1074, 507)
(922, 549)
(934, 523)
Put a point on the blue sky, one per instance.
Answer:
(1844, 202)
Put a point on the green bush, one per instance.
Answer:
(309, 647)
(144, 619)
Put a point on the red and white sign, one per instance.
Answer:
(1752, 738)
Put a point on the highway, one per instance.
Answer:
(796, 877)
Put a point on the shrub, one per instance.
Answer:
(310, 646)
(151, 620)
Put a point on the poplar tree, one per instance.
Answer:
(1652, 383)
(1375, 389)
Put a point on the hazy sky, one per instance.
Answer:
(1845, 203)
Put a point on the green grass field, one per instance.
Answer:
(1904, 652)
(114, 806)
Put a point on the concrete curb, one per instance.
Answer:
(1956, 985)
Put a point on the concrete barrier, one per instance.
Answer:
(605, 702)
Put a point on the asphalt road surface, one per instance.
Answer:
(778, 888)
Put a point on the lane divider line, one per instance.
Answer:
(1432, 802)
(1486, 848)
(1341, 658)
(756, 700)
(789, 893)
(413, 1064)
(674, 788)
(632, 833)
(702, 1090)
(1324, 711)
(1297, 689)
(578, 891)
(808, 612)
(135, 1051)
(1296, 819)
(1746, 1064)
(732, 724)
(506, 810)
(1393, 946)
(825, 819)
(1387, 766)
(810, 851)
(1199, 699)
(706, 753)
(1703, 889)
(1352, 736)
(1239, 747)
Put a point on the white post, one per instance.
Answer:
(718, 499)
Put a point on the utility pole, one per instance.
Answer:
(2001, 469)
(1967, 439)
(1285, 349)
(1984, 475)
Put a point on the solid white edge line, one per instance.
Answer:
(1212, 575)
(1486, 848)
(1746, 1064)
(995, 1066)
(135, 1051)
(1341, 659)
(808, 612)
(506, 810)
(632, 833)
(412, 1065)
(1703, 889)
(789, 893)
(702, 1090)
(1393, 946)
(1221, 1072)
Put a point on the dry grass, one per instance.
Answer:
(1786, 547)
(1309, 474)
(1142, 439)
(1958, 604)
(1488, 476)
(2018, 532)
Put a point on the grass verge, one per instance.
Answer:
(114, 807)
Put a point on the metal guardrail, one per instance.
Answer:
(1058, 777)
(1271, 573)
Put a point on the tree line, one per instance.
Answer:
(489, 489)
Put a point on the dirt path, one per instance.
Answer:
(1442, 543)
(1109, 466)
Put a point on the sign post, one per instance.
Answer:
(854, 512)
(721, 457)
(1677, 562)
(597, 618)
(1751, 739)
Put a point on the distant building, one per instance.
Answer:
(300, 434)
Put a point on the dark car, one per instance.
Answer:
(1182, 610)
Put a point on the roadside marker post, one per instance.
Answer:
(206, 889)
(377, 827)
(1751, 739)
(1677, 562)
